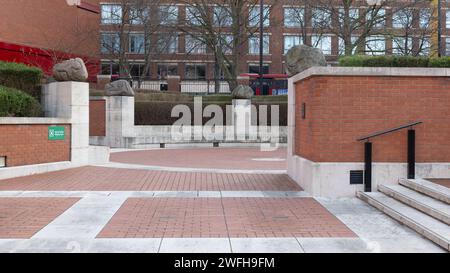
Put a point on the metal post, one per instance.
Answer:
(439, 28)
(368, 166)
(261, 45)
(411, 154)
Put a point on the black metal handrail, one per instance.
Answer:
(409, 125)
(368, 152)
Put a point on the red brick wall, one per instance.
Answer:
(29, 144)
(97, 118)
(340, 109)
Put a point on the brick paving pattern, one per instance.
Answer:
(442, 182)
(219, 158)
(226, 217)
(112, 179)
(21, 218)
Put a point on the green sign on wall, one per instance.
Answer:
(56, 133)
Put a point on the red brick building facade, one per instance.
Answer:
(42, 32)
(279, 29)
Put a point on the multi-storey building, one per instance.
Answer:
(169, 50)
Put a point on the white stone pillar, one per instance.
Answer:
(242, 118)
(120, 121)
(71, 100)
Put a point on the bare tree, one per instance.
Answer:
(359, 26)
(133, 25)
(225, 28)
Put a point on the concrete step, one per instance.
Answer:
(436, 191)
(437, 209)
(423, 224)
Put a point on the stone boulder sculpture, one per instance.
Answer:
(70, 70)
(242, 92)
(119, 88)
(301, 57)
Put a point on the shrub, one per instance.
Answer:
(20, 76)
(159, 113)
(440, 62)
(384, 61)
(15, 103)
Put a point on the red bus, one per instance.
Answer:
(273, 84)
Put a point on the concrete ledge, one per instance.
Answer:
(13, 121)
(332, 179)
(98, 155)
(371, 71)
(12, 172)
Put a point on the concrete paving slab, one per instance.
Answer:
(265, 245)
(148, 245)
(193, 245)
(335, 245)
(242, 194)
(84, 220)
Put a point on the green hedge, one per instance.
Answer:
(15, 103)
(393, 61)
(159, 113)
(20, 76)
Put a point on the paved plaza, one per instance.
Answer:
(133, 205)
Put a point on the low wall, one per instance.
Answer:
(25, 141)
(31, 148)
(121, 132)
(329, 108)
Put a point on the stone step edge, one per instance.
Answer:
(425, 190)
(422, 230)
(418, 205)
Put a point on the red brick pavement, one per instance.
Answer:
(216, 218)
(218, 158)
(442, 182)
(112, 179)
(21, 218)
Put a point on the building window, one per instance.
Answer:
(165, 70)
(194, 45)
(195, 71)
(254, 69)
(253, 45)
(353, 15)
(376, 45)
(138, 70)
(401, 46)
(294, 17)
(167, 43)
(138, 15)
(377, 17)
(424, 18)
(226, 42)
(290, 41)
(110, 69)
(447, 19)
(168, 15)
(222, 17)
(137, 43)
(322, 42)
(342, 45)
(254, 16)
(424, 46)
(193, 16)
(110, 43)
(320, 18)
(402, 19)
(111, 14)
(447, 46)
